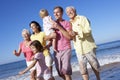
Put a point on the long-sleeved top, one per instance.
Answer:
(83, 42)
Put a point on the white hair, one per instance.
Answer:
(26, 31)
(71, 7)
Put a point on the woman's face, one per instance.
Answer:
(25, 35)
(34, 27)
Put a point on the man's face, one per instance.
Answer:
(71, 13)
(57, 13)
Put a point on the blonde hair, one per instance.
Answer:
(26, 31)
(43, 13)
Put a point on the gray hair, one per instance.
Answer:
(71, 7)
(27, 31)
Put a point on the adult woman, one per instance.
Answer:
(24, 48)
(39, 35)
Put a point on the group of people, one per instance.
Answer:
(59, 33)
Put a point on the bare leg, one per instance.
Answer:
(96, 73)
(52, 78)
(51, 36)
(48, 61)
(68, 77)
(41, 78)
(54, 45)
(85, 76)
(33, 75)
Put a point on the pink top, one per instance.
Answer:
(62, 42)
(41, 66)
(27, 51)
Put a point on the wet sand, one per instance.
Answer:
(108, 72)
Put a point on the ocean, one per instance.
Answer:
(106, 53)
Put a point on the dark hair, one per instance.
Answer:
(37, 45)
(61, 9)
(37, 24)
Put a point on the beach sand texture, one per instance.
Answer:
(108, 72)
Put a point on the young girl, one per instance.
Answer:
(47, 25)
(43, 72)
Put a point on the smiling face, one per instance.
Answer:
(25, 34)
(70, 12)
(34, 49)
(58, 12)
(33, 26)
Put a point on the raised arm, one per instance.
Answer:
(17, 53)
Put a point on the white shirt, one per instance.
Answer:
(47, 24)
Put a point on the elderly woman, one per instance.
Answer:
(24, 47)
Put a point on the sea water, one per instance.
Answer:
(106, 53)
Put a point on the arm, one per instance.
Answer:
(29, 67)
(86, 25)
(17, 53)
(64, 32)
(83, 28)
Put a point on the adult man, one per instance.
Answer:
(83, 43)
(63, 56)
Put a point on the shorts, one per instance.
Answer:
(48, 60)
(29, 63)
(88, 57)
(46, 74)
(63, 62)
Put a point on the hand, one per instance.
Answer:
(55, 26)
(21, 72)
(73, 34)
(32, 58)
(14, 52)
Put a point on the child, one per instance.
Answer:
(47, 25)
(43, 72)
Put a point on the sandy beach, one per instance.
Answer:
(108, 72)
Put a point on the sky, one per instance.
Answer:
(16, 15)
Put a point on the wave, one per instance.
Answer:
(106, 53)
(109, 45)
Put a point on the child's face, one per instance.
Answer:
(42, 15)
(34, 49)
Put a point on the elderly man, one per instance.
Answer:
(83, 43)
